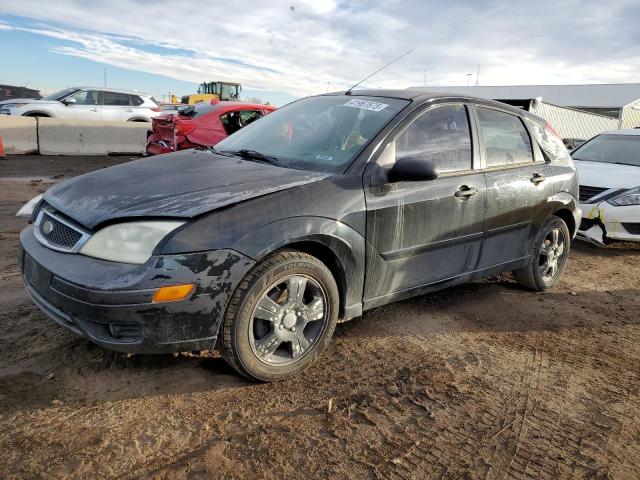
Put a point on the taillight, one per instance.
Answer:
(553, 130)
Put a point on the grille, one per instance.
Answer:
(57, 233)
(632, 228)
(587, 193)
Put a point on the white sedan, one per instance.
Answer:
(609, 175)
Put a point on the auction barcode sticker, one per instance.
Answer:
(366, 105)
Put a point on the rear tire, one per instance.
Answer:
(548, 257)
(280, 318)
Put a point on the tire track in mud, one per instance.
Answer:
(479, 381)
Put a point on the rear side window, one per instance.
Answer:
(135, 100)
(440, 135)
(506, 139)
(115, 99)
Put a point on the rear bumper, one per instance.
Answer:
(155, 147)
(111, 303)
(603, 222)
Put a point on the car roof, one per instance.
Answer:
(115, 90)
(420, 95)
(633, 131)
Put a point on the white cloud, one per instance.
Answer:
(299, 46)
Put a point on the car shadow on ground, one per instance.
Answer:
(76, 372)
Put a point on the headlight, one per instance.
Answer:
(132, 242)
(630, 197)
(27, 209)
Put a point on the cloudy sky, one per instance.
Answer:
(280, 50)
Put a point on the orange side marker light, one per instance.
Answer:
(173, 293)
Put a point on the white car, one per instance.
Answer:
(609, 175)
(86, 103)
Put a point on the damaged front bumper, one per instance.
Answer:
(603, 223)
(112, 304)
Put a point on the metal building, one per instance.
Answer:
(576, 111)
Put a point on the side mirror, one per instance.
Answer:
(69, 101)
(413, 169)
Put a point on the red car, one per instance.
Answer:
(201, 125)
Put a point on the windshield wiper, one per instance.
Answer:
(218, 152)
(254, 155)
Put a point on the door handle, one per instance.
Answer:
(129, 109)
(464, 192)
(93, 109)
(537, 178)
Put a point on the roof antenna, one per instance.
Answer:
(348, 92)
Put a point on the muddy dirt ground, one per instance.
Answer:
(480, 381)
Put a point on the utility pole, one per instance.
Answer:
(424, 82)
(478, 76)
(105, 78)
(468, 78)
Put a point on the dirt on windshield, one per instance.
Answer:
(484, 380)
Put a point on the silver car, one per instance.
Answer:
(86, 103)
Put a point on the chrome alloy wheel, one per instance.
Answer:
(552, 254)
(287, 320)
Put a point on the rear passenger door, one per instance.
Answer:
(515, 172)
(422, 232)
(115, 106)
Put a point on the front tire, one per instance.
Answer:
(549, 256)
(280, 318)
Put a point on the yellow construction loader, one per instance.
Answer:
(208, 91)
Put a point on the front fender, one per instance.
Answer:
(347, 245)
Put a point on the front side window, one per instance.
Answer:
(442, 136)
(115, 99)
(323, 133)
(506, 140)
(232, 122)
(86, 97)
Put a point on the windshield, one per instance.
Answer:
(61, 94)
(611, 149)
(321, 134)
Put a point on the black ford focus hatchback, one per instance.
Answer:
(330, 206)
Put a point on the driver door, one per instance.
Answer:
(423, 232)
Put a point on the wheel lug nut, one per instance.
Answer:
(280, 326)
(293, 329)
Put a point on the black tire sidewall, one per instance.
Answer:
(552, 223)
(240, 328)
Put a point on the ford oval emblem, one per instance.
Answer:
(47, 227)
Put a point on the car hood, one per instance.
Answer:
(27, 100)
(607, 175)
(181, 185)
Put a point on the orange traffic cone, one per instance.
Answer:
(1, 149)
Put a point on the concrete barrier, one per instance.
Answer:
(86, 137)
(19, 134)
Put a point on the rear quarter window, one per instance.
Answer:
(551, 144)
(135, 100)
